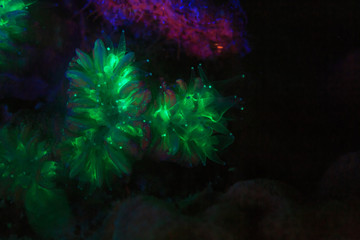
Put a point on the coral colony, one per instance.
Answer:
(107, 124)
(106, 100)
(113, 116)
(186, 119)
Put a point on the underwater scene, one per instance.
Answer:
(179, 120)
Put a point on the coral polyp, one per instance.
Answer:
(106, 100)
(190, 122)
(28, 177)
(23, 161)
(12, 13)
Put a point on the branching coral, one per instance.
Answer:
(106, 100)
(190, 121)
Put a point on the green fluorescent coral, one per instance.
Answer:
(107, 128)
(28, 176)
(106, 100)
(189, 121)
(11, 14)
(22, 158)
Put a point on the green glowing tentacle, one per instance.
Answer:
(190, 121)
(12, 24)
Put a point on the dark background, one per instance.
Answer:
(302, 107)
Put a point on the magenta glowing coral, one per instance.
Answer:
(203, 31)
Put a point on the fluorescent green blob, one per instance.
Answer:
(48, 211)
(190, 121)
(106, 100)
